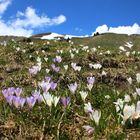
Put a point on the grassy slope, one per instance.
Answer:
(14, 72)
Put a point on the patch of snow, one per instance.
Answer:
(51, 36)
(58, 36)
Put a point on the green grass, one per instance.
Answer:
(56, 122)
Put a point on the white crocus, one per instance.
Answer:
(88, 108)
(138, 91)
(104, 73)
(83, 95)
(46, 59)
(47, 70)
(95, 66)
(134, 95)
(128, 111)
(90, 86)
(71, 55)
(129, 80)
(66, 67)
(38, 59)
(122, 48)
(138, 77)
(127, 98)
(95, 115)
(119, 104)
(134, 52)
(48, 99)
(55, 100)
(107, 97)
(127, 54)
(75, 67)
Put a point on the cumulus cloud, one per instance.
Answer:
(6, 29)
(30, 19)
(25, 23)
(134, 29)
(4, 5)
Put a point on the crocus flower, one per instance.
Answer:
(95, 66)
(89, 130)
(46, 59)
(34, 70)
(36, 94)
(72, 87)
(83, 95)
(45, 86)
(66, 67)
(127, 98)
(91, 80)
(90, 86)
(119, 104)
(53, 85)
(95, 115)
(5, 93)
(47, 79)
(138, 77)
(57, 59)
(47, 70)
(48, 99)
(22, 102)
(138, 91)
(129, 80)
(9, 99)
(88, 108)
(18, 91)
(128, 111)
(65, 101)
(75, 67)
(31, 101)
(16, 101)
(56, 69)
(55, 100)
(11, 90)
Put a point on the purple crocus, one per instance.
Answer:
(5, 93)
(56, 69)
(11, 90)
(16, 101)
(89, 130)
(91, 80)
(53, 85)
(18, 91)
(34, 70)
(31, 101)
(22, 102)
(72, 87)
(9, 99)
(57, 59)
(65, 101)
(45, 86)
(36, 94)
(47, 79)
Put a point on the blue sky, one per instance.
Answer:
(77, 17)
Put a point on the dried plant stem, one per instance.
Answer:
(58, 128)
(42, 135)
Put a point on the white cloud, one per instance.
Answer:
(4, 5)
(6, 29)
(32, 20)
(134, 29)
(25, 22)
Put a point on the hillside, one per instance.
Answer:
(70, 89)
